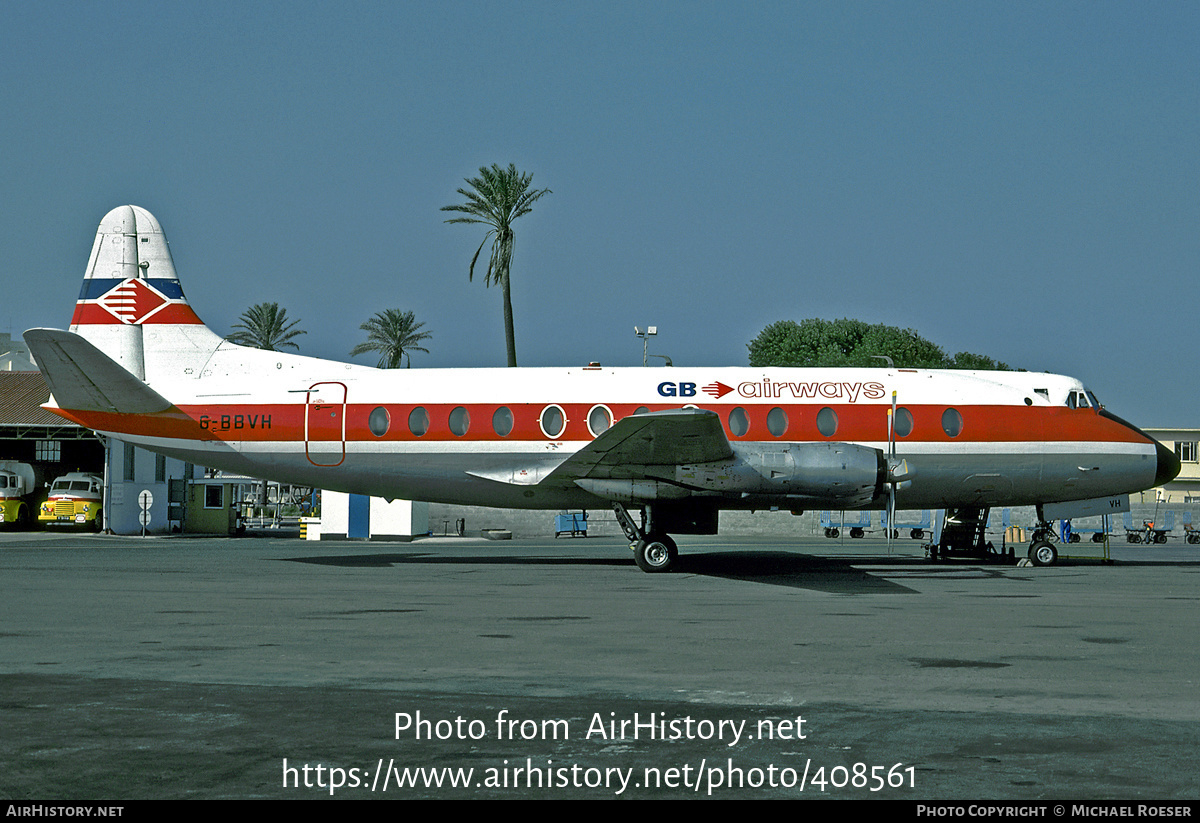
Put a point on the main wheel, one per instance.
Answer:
(1043, 553)
(655, 554)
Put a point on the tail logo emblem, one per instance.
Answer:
(133, 301)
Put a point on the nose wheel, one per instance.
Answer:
(656, 553)
(1043, 553)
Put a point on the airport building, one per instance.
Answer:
(54, 447)
(1186, 487)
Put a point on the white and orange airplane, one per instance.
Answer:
(680, 444)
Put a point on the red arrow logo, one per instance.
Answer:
(717, 390)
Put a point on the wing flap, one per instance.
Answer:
(83, 378)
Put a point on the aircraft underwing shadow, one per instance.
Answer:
(796, 571)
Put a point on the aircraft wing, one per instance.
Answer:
(83, 378)
(650, 441)
(638, 446)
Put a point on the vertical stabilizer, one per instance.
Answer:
(132, 307)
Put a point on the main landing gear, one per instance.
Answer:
(653, 551)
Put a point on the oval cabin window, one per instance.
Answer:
(952, 422)
(552, 421)
(827, 422)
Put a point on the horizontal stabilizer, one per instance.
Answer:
(83, 378)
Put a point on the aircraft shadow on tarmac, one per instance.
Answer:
(791, 570)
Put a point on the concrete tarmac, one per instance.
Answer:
(275, 668)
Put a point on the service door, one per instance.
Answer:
(325, 424)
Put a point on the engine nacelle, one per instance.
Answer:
(842, 474)
(825, 474)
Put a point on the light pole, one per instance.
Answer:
(645, 334)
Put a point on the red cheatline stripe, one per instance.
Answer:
(261, 422)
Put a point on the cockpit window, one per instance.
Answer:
(1079, 400)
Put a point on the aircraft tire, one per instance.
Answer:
(655, 554)
(1043, 553)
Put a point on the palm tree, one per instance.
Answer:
(394, 334)
(498, 198)
(265, 326)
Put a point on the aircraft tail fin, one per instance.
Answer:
(83, 378)
(132, 307)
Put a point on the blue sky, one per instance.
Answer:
(1014, 179)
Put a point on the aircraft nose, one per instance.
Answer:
(1168, 464)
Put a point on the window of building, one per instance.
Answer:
(130, 454)
(160, 468)
(213, 496)
(47, 450)
(1185, 450)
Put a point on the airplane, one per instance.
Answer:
(678, 444)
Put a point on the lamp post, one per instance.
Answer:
(645, 334)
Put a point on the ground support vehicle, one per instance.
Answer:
(76, 499)
(20, 490)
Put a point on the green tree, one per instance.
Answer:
(394, 334)
(496, 198)
(265, 326)
(847, 342)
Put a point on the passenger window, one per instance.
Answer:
(599, 419)
(379, 421)
(777, 421)
(739, 423)
(502, 421)
(418, 421)
(902, 423)
(952, 422)
(460, 421)
(827, 422)
(552, 421)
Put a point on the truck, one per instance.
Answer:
(75, 500)
(20, 490)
